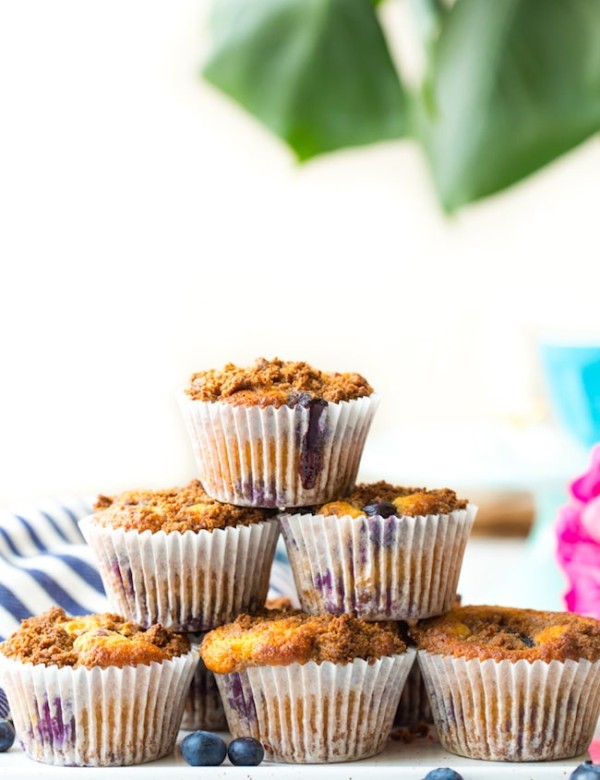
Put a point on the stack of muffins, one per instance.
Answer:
(322, 684)
(376, 567)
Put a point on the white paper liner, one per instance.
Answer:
(203, 709)
(191, 581)
(316, 713)
(97, 717)
(505, 711)
(277, 457)
(393, 568)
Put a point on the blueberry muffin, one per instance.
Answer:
(279, 433)
(96, 690)
(311, 688)
(180, 558)
(511, 684)
(381, 552)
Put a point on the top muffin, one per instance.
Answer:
(55, 639)
(500, 633)
(178, 509)
(275, 383)
(278, 638)
(385, 500)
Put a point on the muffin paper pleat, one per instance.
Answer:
(512, 711)
(191, 581)
(97, 717)
(393, 568)
(316, 713)
(277, 457)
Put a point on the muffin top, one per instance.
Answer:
(385, 500)
(507, 633)
(279, 638)
(276, 383)
(181, 509)
(55, 639)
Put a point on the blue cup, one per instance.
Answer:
(572, 374)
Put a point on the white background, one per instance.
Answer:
(149, 228)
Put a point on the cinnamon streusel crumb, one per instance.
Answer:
(384, 498)
(182, 509)
(279, 638)
(508, 633)
(55, 639)
(275, 383)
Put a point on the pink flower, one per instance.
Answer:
(590, 518)
(587, 486)
(578, 532)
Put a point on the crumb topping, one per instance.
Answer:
(180, 509)
(275, 383)
(54, 638)
(382, 498)
(276, 638)
(509, 633)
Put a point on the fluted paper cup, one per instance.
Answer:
(97, 717)
(392, 568)
(191, 581)
(278, 456)
(512, 711)
(203, 706)
(316, 713)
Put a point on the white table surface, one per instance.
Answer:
(407, 761)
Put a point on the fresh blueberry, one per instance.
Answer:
(381, 508)
(586, 771)
(203, 748)
(443, 773)
(7, 735)
(245, 751)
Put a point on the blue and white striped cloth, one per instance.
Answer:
(45, 562)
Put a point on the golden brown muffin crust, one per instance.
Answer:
(275, 638)
(181, 509)
(275, 383)
(507, 633)
(55, 639)
(406, 501)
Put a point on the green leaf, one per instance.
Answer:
(515, 84)
(318, 73)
